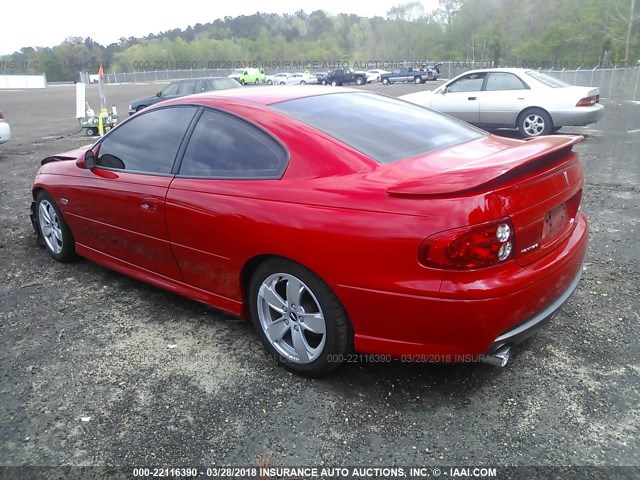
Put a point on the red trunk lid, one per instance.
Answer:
(539, 182)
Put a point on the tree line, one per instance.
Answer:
(533, 33)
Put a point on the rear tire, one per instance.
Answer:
(385, 81)
(300, 321)
(360, 81)
(534, 122)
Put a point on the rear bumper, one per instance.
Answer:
(513, 303)
(578, 116)
(521, 332)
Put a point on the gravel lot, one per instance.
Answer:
(87, 377)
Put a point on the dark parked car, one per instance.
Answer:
(346, 75)
(183, 87)
(407, 75)
(322, 77)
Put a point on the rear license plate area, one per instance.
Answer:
(554, 221)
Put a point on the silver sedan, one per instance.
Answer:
(534, 103)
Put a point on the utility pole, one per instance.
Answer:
(629, 28)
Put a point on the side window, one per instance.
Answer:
(468, 83)
(147, 143)
(504, 81)
(224, 146)
(169, 90)
(187, 87)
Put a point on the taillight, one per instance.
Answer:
(471, 247)
(1, 116)
(588, 101)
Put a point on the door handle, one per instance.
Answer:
(472, 98)
(149, 204)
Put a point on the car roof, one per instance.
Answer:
(500, 69)
(267, 95)
(198, 78)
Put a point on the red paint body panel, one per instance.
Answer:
(359, 225)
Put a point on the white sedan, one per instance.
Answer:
(300, 79)
(534, 103)
(5, 130)
(374, 75)
(278, 78)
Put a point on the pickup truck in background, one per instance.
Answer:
(346, 75)
(408, 75)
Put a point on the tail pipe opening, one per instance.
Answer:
(499, 358)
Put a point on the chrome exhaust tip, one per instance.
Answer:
(499, 358)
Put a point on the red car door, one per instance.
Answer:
(120, 204)
(207, 204)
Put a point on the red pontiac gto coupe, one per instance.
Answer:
(335, 220)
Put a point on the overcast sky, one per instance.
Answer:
(39, 23)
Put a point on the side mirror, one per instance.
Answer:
(87, 161)
(159, 94)
(443, 91)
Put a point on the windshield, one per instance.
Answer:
(237, 71)
(383, 128)
(546, 79)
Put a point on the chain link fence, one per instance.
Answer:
(618, 84)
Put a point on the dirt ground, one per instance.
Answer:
(87, 376)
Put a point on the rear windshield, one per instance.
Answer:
(224, 83)
(546, 79)
(383, 128)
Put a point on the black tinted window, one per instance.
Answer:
(504, 81)
(224, 146)
(383, 128)
(148, 142)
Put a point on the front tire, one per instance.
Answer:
(534, 122)
(300, 321)
(417, 80)
(53, 230)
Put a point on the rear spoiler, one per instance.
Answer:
(480, 173)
